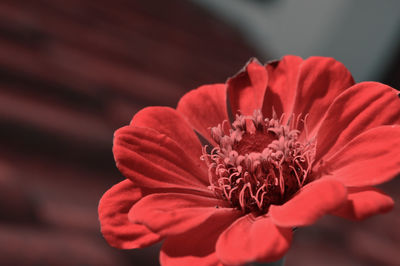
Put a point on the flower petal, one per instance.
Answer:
(247, 88)
(175, 213)
(153, 160)
(252, 239)
(195, 247)
(113, 214)
(363, 203)
(369, 159)
(365, 105)
(282, 84)
(205, 107)
(309, 204)
(168, 121)
(320, 81)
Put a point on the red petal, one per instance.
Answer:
(247, 88)
(321, 80)
(113, 214)
(170, 122)
(369, 159)
(153, 160)
(205, 107)
(282, 84)
(176, 213)
(365, 105)
(252, 239)
(195, 247)
(363, 203)
(309, 204)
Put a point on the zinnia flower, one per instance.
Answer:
(283, 144)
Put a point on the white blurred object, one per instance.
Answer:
(363, 34)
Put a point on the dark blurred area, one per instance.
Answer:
(72, 72)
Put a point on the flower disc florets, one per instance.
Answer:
(260, 162)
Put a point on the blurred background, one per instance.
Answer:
(72, 72)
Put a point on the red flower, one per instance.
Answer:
(306, 142)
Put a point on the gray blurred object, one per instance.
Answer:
(362, 34)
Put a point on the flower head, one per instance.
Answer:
(284, 144)
(259, 163)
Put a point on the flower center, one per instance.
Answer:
(260, 162)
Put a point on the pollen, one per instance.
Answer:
(259, 161)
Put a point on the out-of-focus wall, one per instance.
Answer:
(72, 72)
